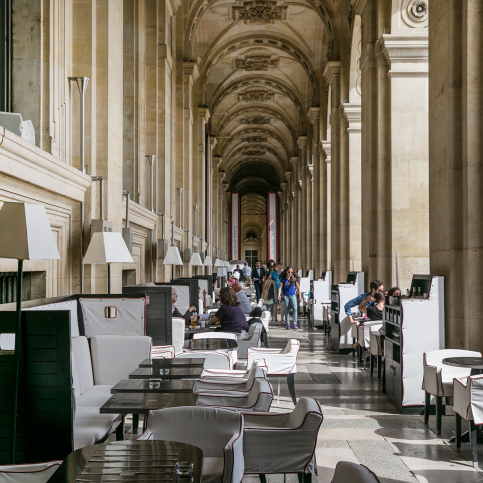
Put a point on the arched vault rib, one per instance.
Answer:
(267, 80)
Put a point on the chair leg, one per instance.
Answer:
(120, 429)
(427, 407)
(379, 367)
(300, 477)
(291, 387)
(372, 365)
(135, 423)
(263, 478)
(308, 478)
(458, 432)
(473, 439)
(439, 414)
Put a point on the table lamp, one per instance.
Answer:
(25, 234)
(107, 247)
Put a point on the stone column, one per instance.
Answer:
(289, 255)
(456, 166)
(408, 58)
(314, 118)
(203, 116)
(352, 238)
(332, 77)
(369, 129)
(295, 259)
(284, 217)
(325, 201)
(302, 204)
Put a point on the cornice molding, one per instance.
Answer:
(302, 142)
(313, 114)
(191, 69)
(351, 113)
(204, 114)
(139, 215)
(407, 55)
(332, 70)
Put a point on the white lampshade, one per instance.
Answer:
(208, 261)
(25, 233)
(196, 260)
(218, 262)
(107, 247)
(172, 256)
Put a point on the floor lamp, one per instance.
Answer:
(25, 234)
(107, 247)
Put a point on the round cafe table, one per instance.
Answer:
(473, 363)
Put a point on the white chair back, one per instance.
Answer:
(29, 473)
(191, 425)
(346, 471)
(213, 359)
(215, 335)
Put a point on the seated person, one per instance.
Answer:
(204, 298)
(176, 312)
(255, 315)
(245, 304)
(374, 285)
(229, 316)
(375, 308)
(394, 292)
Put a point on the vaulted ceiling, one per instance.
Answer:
(260, 63)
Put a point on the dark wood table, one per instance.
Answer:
(142, 403)
(199, 362)
(128, 461)
(166, 373)
(154, 386)
(473, 363)
(211, 344)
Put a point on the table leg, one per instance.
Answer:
(135, 423)
(120, 429)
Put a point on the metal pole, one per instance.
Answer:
(108, 278)
(397, 272)
(151, 159)
(102, 197)
(17, 357)
(152, 257)
(82, 248)
(162, 226)
(127, 195)
(180, 195)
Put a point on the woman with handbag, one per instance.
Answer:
(289, 285)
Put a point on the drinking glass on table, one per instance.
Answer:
(193, 321)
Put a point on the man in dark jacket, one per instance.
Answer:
(176, 312)
(258, 274)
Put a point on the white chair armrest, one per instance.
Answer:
(234, 459)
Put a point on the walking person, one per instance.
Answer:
(289, 285)
(276, 302)
(268, 291)
(258, 275)
(246, 272)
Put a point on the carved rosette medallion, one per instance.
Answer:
(415, 13)
(255, 120)
(256, 96)
(259, 11)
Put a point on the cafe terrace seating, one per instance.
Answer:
(346, 472)
(275, 443)
(213, 359)
(468, 404)
(259, 398)
(280, 362)
(253, 340)
(223, 459)
(438, 378)
(237, 375)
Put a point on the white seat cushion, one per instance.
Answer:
(92, 412)
(83, 365)
(212, 468)
(95, 396)
(83, 440)
(94, 427)
(114, 357)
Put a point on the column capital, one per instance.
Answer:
(325, 149)
(204, 114)
(302, 142)
(221, 175)
(191, 69)
(407, 55)
(310, 167)
(293, 161)
(288, 175)
(332, 71)
(284, 185)
(351, 113)
(217, 161)
(313, 114)
(213, 141)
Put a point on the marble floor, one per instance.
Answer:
(360, 425)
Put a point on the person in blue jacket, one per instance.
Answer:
(374, 286)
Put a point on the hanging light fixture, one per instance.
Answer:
(195, 258)
(173, 256)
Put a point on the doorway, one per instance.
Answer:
(251, 256)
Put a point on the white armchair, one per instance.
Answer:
(259, 367)
(163, 352)
(468, 404)
(255, 332)
(282, 443)
(346, 471)
(30, 473)
(259, 399)
(279, 361)
(217, 432)
(213, 359)
(219, 385)
(438, 379)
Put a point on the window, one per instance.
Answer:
(251, 256)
